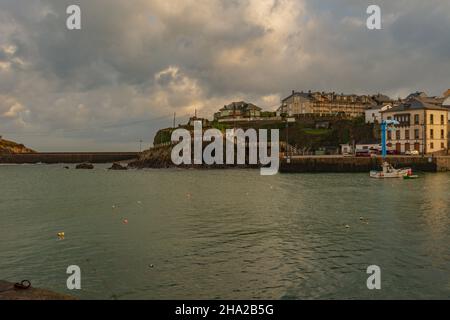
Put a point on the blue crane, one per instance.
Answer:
(385, 124)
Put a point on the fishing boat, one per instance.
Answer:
(388, 171)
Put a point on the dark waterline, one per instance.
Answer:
(229, 234)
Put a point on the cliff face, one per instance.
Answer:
(7, 147)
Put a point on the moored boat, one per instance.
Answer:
(388, 171)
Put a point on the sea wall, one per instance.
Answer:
(361, 164)
(67, 157)
(443, 163)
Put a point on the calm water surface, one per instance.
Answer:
(229, 234)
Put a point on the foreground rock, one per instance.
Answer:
(9, 292)
(86, 166)
(117, 166)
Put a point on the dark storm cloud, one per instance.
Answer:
(136, 62)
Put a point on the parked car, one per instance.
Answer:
(363, 153)
(412, 153)
(392, 152)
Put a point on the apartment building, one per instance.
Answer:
(324, 104)
(423, 127)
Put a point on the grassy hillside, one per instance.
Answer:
(12, 147)
(304, 135)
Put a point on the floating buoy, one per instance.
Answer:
(364, 220)
(125, 221)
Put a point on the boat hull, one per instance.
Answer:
(387, 175)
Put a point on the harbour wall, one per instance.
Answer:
(67, 157)
(360, 164)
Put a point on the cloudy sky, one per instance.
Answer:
(136, 62)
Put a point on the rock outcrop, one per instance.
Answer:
(86, 166)
(160, 157)
(154, 158)
(117, 166)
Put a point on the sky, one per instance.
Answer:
(135, 63)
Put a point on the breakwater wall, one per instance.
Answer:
(359, 164)
(67, 157)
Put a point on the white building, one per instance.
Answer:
(373, 113)
(446, 104)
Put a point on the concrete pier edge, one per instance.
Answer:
(312, 164)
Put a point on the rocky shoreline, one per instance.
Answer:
(160, 158)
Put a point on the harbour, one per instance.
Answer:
(224, 234)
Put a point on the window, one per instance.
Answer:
(431, 118)
(407, 134)
(416, 119)
(397, 134)
(442, 145)
(431, 134)
(442, 134)
(442, 119)
(416, 134)
(431, 145)
(389, 135)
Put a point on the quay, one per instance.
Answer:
(67, 157)
(9, 292)
(344, 164)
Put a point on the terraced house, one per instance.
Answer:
(324, 104)
(423, 127)
(238, 110)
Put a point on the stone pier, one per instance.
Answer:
(363, 164)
